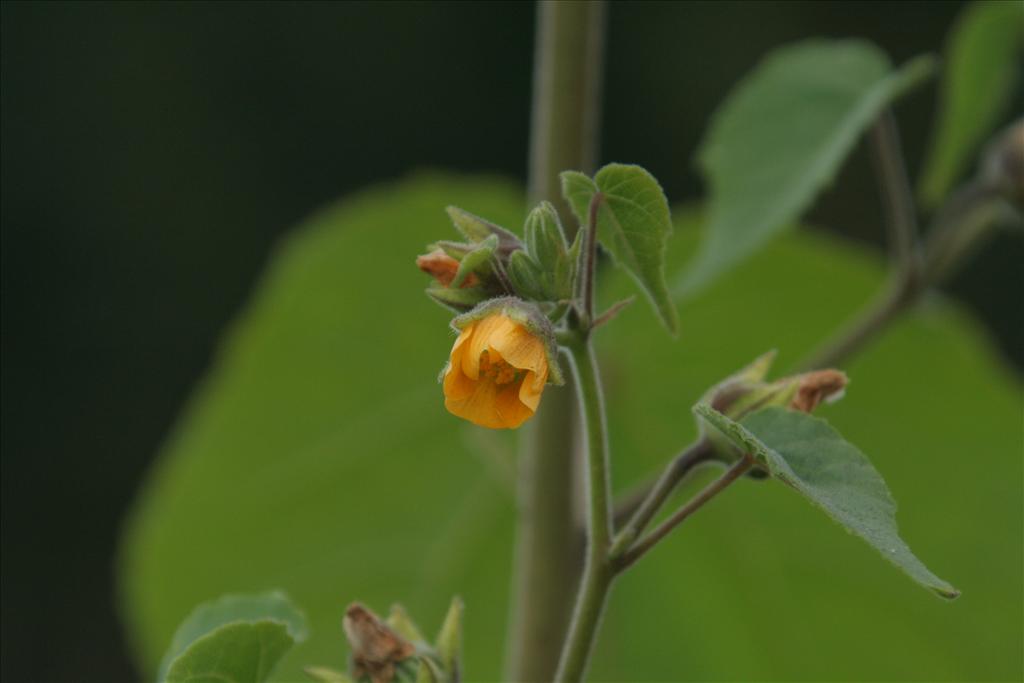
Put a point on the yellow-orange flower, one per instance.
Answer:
(496, 373)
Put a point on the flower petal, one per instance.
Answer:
(511, 409)
(483, 332)
(456, 384)
(462, 354)
(531, 389)
(519, 347)
(479, 407)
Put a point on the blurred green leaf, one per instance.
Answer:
(982, 62)
(633, 223)
(232, 608)
(317, 456)
(781, 136)
(238, 652)
(804, 452)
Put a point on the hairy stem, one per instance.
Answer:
(589, 256)
(564, 130)
(710, 491)
(597, 573)
(657, 495)
(897, 196)
(888, 306)
(963, 222)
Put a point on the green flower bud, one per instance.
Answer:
(525, 275)
(476, 229)
(746, 391)
(545, 241)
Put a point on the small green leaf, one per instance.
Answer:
(322, 674)
(449, 639)
(781, 136)
(806, 453)
(982, 62)
(477, 229)
(475, 260)
(211, 615)
(401, 623)
(459, 299)
(239, 652)
(633, 223)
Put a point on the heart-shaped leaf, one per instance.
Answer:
(633, 223)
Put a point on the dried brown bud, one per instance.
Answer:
(443, 268)
(818, 386)
(375, 647)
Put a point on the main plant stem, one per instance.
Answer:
(564, 130)
(598, 572)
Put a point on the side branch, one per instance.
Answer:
(655, 498)
(897, 196)
(710, 491)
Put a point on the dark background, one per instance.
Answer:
(153, 153)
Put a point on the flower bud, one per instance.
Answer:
(815, 387)
(555, 262)
(376, 649)
(526, 277)
(465, 273)
(443, 268)
(746, 391)
(476, 229)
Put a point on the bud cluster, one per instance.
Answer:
(747, 391)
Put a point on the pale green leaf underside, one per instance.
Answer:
(633, 224)
(239, 652)
(806, 453)
(226, 609)
(981, 63)
(781, 136)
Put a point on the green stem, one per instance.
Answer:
(964, 222)
(568, 63)
(564, 130)
(898, 296)
(906, 270)
(897, 196)
(656, 496)
(597, 574)
(738, 469)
